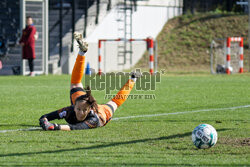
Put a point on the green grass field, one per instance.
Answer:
(143, 141)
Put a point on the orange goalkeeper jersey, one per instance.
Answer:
(94, 118)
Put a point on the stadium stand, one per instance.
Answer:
(9, 35)
(10, 51)
(10, 32)
(86, 19)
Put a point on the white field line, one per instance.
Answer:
(142, 116)
(15, 130)
(184, 112)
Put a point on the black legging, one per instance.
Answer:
(31, 64)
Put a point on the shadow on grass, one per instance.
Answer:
(104, 145)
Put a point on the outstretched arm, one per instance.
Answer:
(58, 114)
(46, 125)
(93, 122)
(51, 116)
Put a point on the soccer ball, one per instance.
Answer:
(204, 136)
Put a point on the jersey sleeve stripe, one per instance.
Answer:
(112, 109)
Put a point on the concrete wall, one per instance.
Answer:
(147, 21)
(161, 3)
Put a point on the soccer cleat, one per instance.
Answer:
(83, 45)
(136, 74)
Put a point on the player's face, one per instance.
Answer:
(82, 110)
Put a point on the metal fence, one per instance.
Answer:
(62, 17)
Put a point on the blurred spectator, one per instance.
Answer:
(3, 48)
(27, 41)
(1, 66)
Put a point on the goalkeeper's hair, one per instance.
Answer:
(88, 98)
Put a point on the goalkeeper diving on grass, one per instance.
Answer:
(84, 112)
